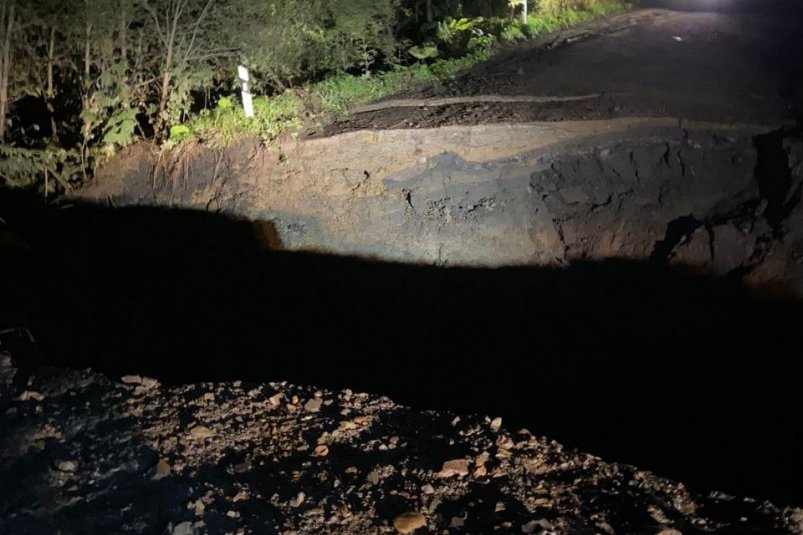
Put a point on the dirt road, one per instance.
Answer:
(737, 65)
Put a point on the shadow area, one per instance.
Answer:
(691, 378)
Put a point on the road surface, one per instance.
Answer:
(737, 65)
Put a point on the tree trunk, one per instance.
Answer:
(88, 53)
(168, 66)
(524, 11)
(165, 92)
(5, 63)
(429, 10)
(123, 34)
(51, 92)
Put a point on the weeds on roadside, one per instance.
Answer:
(336, 95)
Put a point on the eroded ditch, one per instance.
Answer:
(630, 358)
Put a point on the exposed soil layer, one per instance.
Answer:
(495, 195)
(90, 455)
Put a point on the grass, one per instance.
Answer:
(336, 95)
(222, 125)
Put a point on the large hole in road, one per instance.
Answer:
(637, 344)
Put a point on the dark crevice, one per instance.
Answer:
(774, 177)
(682, 163)
(665, 157)
(677, 230)
(711, 237)
(634, 164)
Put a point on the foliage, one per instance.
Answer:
(179, 133)
(272, 116)
(20, 167)
(111, 71)
(423, 52)
(459, 37)
(292, 41)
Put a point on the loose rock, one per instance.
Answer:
(409, 522)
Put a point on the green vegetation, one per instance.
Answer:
(80, 79)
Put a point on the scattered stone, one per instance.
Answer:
(242, 467)
(457, 467)
(66, 466)
(298, 500)
(409, 522)
(31, 395)
(345, 462)
(131, 379)
(149, 383)
(532, 525)
(313, 405)
(496, 424)
(185, 528)
(669, 531)
(200, 432)
(504, 443)
(162, 469)
(276, 399)
(456, 522)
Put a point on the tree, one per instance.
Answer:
(9, 28)
(192, 40)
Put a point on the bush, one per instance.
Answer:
(272, 117)
(21, 167)
(555, 8)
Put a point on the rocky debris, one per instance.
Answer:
(66, 466)
(31, 395)
(458, 467)
(409, 522)
(102, 456)
(200, 432)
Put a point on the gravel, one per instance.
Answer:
(91, 454)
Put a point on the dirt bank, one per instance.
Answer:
(723, 198)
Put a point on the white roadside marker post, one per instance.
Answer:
(248, 103)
